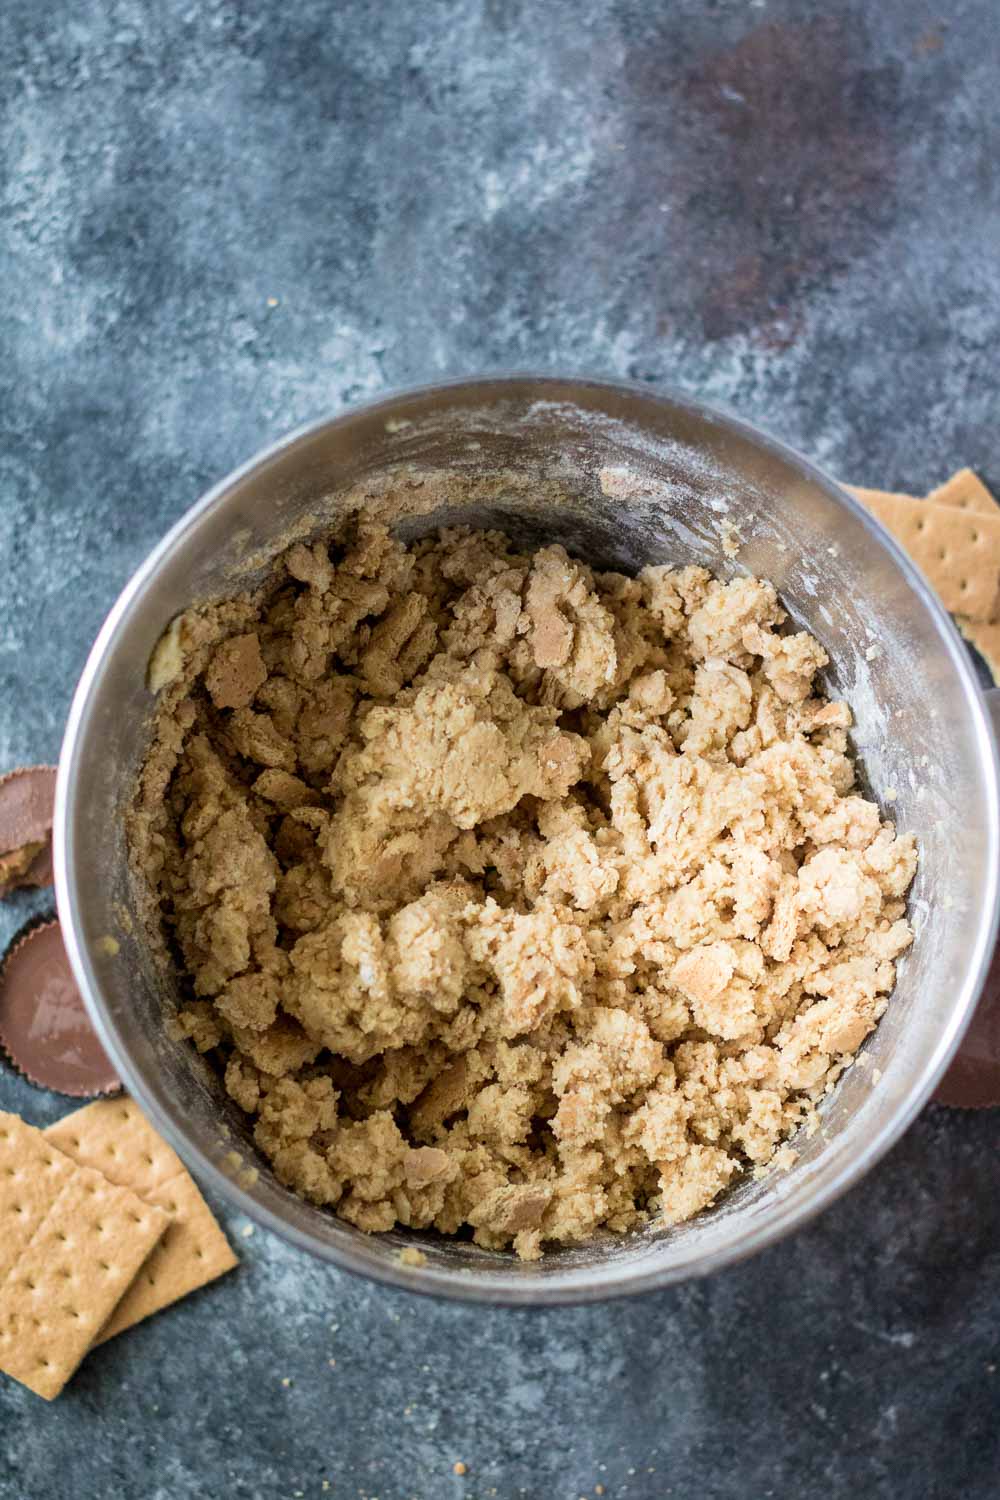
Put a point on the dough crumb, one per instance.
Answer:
(511, 897)
(167, 661)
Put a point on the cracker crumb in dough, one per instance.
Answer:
(511, 897)
(167, 660)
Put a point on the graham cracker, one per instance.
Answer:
(986, 639)
(965, 491)
(870, 498)
(70, 1244)
(958, 552)
(192, 1252)
(114, 1136)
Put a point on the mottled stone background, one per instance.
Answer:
(221, 219)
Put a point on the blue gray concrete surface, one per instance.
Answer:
(219, 220)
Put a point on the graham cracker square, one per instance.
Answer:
(957, 549)
(114, 1135)
(70, 1244)
(966, 491)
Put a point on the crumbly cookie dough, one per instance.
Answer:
(513, 898)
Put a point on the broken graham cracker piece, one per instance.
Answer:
(959, 553)
(114, 1136)
(236, 671)
(70, 1244)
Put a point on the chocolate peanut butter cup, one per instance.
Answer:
(26, 801)
(44, 1027)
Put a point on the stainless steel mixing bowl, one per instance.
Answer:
(923, 736)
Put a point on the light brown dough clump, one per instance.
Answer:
(512, 895)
